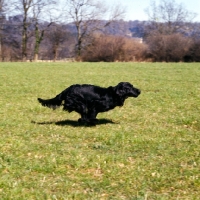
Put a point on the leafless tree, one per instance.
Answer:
(87, 15)
(32, 11)
(3, 8)
(41, 9)
(57, 37)
(166, 31)
(168, 17)
(24, 6)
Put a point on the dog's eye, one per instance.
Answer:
(127, 89)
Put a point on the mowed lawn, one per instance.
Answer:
(147, 149)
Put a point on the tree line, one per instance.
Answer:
(81, 30)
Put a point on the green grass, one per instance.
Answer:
(148, 149)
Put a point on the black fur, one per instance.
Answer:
(89, 100)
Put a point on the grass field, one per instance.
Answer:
(148, 149)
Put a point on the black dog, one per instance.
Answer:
(89, 100)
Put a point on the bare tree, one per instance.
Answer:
(23, 7)
(57, 36)
(41, 9)
(86, 16)
(3, 6)
(166, 30)
(32, 11)
(26, 5)
(168, 17)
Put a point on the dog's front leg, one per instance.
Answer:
(84, 114)
(91, 116)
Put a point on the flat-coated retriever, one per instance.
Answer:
(89, 100)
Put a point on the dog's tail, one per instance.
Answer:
(51, 103)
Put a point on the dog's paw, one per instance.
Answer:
(88, 122)
(80, 120)
(92, 122)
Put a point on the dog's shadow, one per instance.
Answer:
(74, 123)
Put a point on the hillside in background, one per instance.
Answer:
(123, 28)
(59, 41)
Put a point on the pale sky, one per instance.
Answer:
(135, 8)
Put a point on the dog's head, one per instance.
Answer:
(125, 90)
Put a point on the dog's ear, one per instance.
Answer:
(119, 89)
